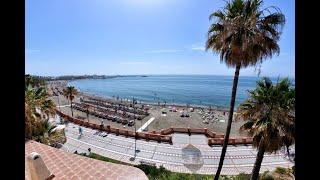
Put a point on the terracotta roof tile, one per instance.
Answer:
(65, 165)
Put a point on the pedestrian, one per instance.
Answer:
(80, 131)
(101, 125)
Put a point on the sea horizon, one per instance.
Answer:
(92, 74)
(197, 90)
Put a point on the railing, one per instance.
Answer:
(203, 131)
(118, 131)
(232, 141)
(213, 138)
(161, 136)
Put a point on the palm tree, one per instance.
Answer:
(33, 81)
(244, 35)
(268, 113)
(37, 103)
(70, 92)
(51, 136)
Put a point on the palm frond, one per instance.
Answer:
(269, 114)
(246, 35)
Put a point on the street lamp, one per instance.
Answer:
(135, 132)
(87, 107)
(59, 102)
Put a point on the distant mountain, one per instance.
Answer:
(78, 77)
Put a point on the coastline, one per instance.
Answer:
(152, 103)
(178, 105)
(201, 116)
(63, 83)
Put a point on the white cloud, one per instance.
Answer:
(134, 63)
(199, 48)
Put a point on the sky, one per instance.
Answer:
(133, 37)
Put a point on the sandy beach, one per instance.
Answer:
(164, 116)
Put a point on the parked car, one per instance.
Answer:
(131, 123)
(124, 121)
(109, 118)
(114, 119)
(119, 120)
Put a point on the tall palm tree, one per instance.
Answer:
(244, 35)
(268, 113)
(70, 92)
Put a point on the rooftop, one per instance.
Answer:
(65, 165)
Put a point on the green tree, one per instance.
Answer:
(33, 81)
(268, 113)
(37, 107)
(70, 92)
(243, 35)
(51, 136)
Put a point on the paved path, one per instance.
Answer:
(179, 157)
(67, 105)
(145, 125)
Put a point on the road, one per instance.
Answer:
(179, 157)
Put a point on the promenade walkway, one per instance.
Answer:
(187, 154)
(145, 125)
(67, 105)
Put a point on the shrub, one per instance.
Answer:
(241, 176)
(106, 159)
(152, 171)
(281, 170)
(293, 170)
(267, 176)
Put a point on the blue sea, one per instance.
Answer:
(203, 90)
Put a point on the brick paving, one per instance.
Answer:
(66, 165)
(238, 158)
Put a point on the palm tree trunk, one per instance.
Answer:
(226, 138)
(88, 114)
(71, 108)
(257, 164)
